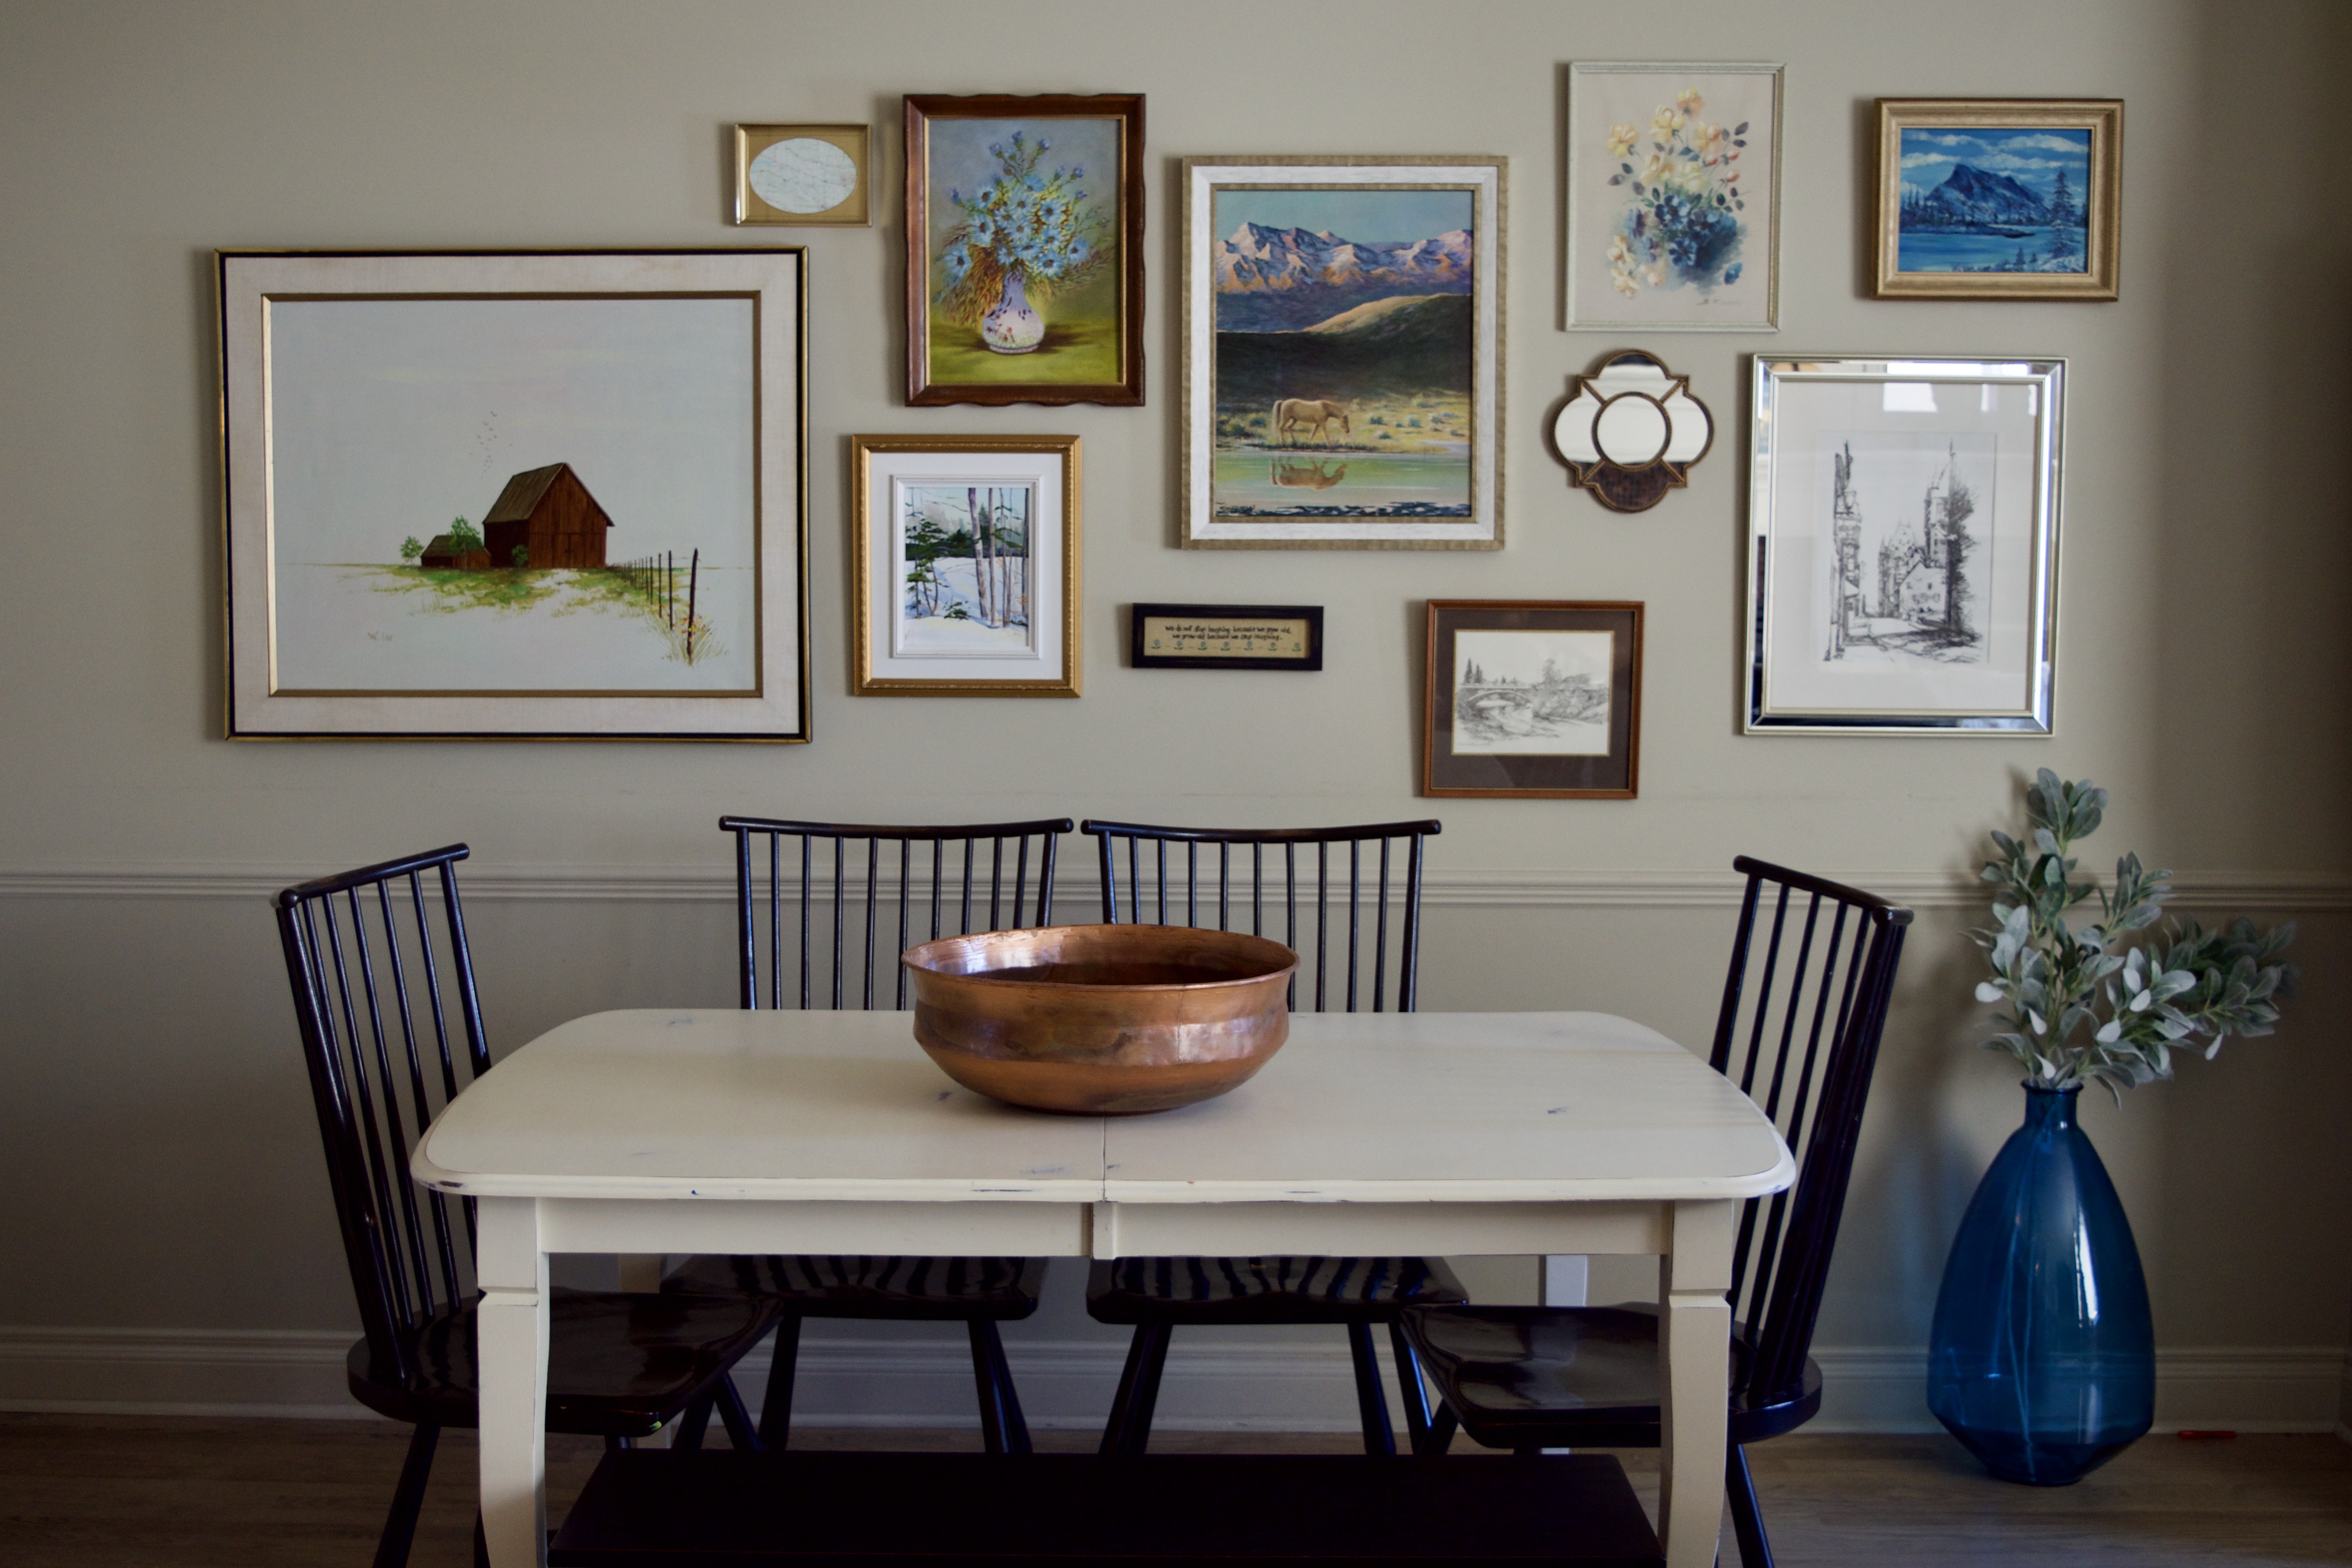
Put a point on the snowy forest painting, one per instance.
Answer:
(1910, 519)
(961, 564)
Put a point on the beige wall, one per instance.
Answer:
(154, 1142)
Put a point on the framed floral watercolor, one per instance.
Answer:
(1532, 697)
(1903, 526)
(803, 175)
(1025, 248)
(1999, 198)
(1343, 353)
(546, 494)
(966, 557)
(1674, 197)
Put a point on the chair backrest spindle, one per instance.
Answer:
(1798, 1031)
(359, 949)
(1119, 842)
(833, 949)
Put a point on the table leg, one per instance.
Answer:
(1695, 1360)
(512, 1323)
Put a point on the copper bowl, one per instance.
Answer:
(1102, 1020)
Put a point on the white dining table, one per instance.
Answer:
(655, 1131)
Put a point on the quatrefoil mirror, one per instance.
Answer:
(1631, 431)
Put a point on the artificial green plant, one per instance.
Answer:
(2084, 1007)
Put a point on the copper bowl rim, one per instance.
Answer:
(912, 959)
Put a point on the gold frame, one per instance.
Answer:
(1487, 351)
(863, 450)
(242, 295)
(857, 140)
(2103, 188)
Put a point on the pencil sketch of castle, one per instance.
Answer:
(1904, 586)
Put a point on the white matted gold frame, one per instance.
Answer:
(1488, 178)
(2103, 196)
(773, 705)
(1823, 657)
(1589, 299)
(855, 142)
(878, 465)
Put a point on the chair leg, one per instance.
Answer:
(1441, 1427)
(1128, 1430)
(1747, 1519)
(1416, 1391)
(776, 1404)
(481, 1543)
(984, 1378)
(738, 1420)
(1016, 1425)
(693, 1422)
(1371, 1399)
(407, 1498)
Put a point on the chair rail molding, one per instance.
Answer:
(2289, 892)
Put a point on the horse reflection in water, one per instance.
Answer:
(1314, 476)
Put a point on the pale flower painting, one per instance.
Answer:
(1682, 224)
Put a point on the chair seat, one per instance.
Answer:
(1266, 1290)
(935, 1289)
(618, 1365)
(1564, 1377)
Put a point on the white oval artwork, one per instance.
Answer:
(803, 176)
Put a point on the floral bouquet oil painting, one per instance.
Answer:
(477, 492)
(1999, 199)
(1674, 196)
(1024, 278)
(1340, 324)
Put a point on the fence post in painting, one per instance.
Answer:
(693, 581)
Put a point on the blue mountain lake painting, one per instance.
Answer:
(1344, 353)
(2011, 199)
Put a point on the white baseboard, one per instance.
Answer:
(1214, 1382)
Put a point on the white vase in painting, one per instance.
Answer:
(1012, 325)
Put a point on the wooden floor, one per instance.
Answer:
(84, 1491)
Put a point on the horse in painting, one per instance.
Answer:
(1292, 414)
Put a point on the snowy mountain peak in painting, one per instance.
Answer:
(1285, 279)
(1972, 194)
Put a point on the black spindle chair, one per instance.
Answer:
(944, 882)
(1164, 879)
(368, 954)
(1798, 1032)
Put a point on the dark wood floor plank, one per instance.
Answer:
(88, 1491)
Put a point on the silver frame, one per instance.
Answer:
(1774, 370)
(1568, 322)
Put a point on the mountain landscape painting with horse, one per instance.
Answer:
(1344, 353)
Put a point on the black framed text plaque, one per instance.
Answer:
(1226, 637)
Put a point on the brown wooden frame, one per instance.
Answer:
(1126, 108)
(2103, 194)
(1615, 776)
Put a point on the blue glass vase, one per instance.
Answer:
(2043, 1357)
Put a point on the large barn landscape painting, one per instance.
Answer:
(514, 495)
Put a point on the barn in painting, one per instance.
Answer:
(443, 553)
(549, 513)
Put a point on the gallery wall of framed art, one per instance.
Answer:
(2200, 521)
